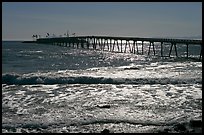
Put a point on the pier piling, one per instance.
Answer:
(109, 43)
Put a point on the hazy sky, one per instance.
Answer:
(20, 20)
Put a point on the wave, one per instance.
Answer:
(31, 79)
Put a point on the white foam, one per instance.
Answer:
(41, 87)
(173, 71)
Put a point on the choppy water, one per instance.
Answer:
(57, 89)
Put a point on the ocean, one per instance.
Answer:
(55, 89)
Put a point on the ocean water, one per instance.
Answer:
(56, 89)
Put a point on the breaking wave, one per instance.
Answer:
(31, 79)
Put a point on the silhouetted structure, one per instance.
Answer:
(121, 44)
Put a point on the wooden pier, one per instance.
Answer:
(122, 44)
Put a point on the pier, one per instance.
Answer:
(124, 44)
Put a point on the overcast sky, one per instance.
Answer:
(20, 20)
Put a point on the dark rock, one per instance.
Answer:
(132, 68)
(13, 129)
(196, 123)
(63, 131)
(179, 127)
(166, 130)
(44, 126)
(105, 131)
(104, 106)
(38, 129)
(162, 131)
(23, 131)
(192, 131)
